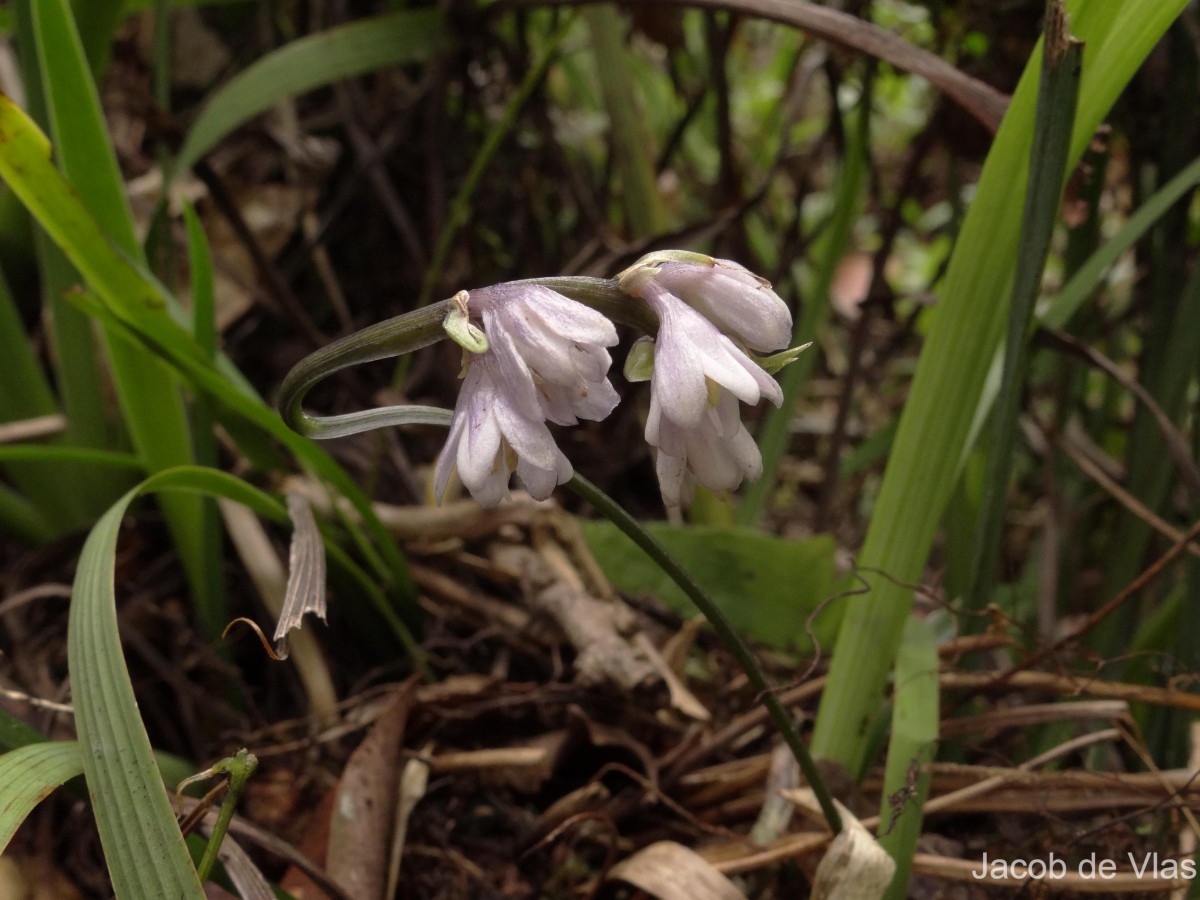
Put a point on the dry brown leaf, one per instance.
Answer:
(306, 572)
(413, 782)
(364, 809)
(671, 871)
(275, 587)
(855, 867)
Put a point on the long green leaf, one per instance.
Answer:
(390, 40)
(149, 398)
(142, 843)
(1047, 161)
(27, 775)
(77, 122)
(130, 300)
(143, 846)
(81, 382)
(913, 745)
(1085, 281)
(646, 213)
(966, 329)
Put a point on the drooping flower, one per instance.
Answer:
(545, 361)
(709, 311)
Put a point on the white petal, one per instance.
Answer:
(678, 367)
(478, 451)
(734, 299)
(568, 318)
(591, 361)
(594, 400)
(747, 455)
(711, 463)
(671, 471)
(508, 367)
(494, 488)
(530, 438)
(541, 482)
(448, 457)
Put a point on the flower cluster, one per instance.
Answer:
(543, 358)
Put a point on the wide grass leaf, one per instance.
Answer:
(143, 846)
(27, 775)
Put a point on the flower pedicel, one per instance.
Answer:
(539, 355)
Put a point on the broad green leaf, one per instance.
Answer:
(394, 39)
(27, 775)
(966, 330)
(768, 586)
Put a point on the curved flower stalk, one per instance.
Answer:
(543, 359)
(710, 312)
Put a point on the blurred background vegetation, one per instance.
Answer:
(273, 176)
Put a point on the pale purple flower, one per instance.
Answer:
(707, 312)
(546, 361)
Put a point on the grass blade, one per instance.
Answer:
(390, 40)
(128, 299)
(149, 397)
(214, 613)
(27, 775)
(1083, 284)
(145, 851)
(913, 744)
(1057, 95)
(631, 144)
(966, 329)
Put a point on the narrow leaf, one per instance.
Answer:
(966, 330)
(143, 846)
(389, 40)
(27, 775)
(912, 746)
(1055, 117)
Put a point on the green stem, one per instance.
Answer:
(724, 628)
(239, 768)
